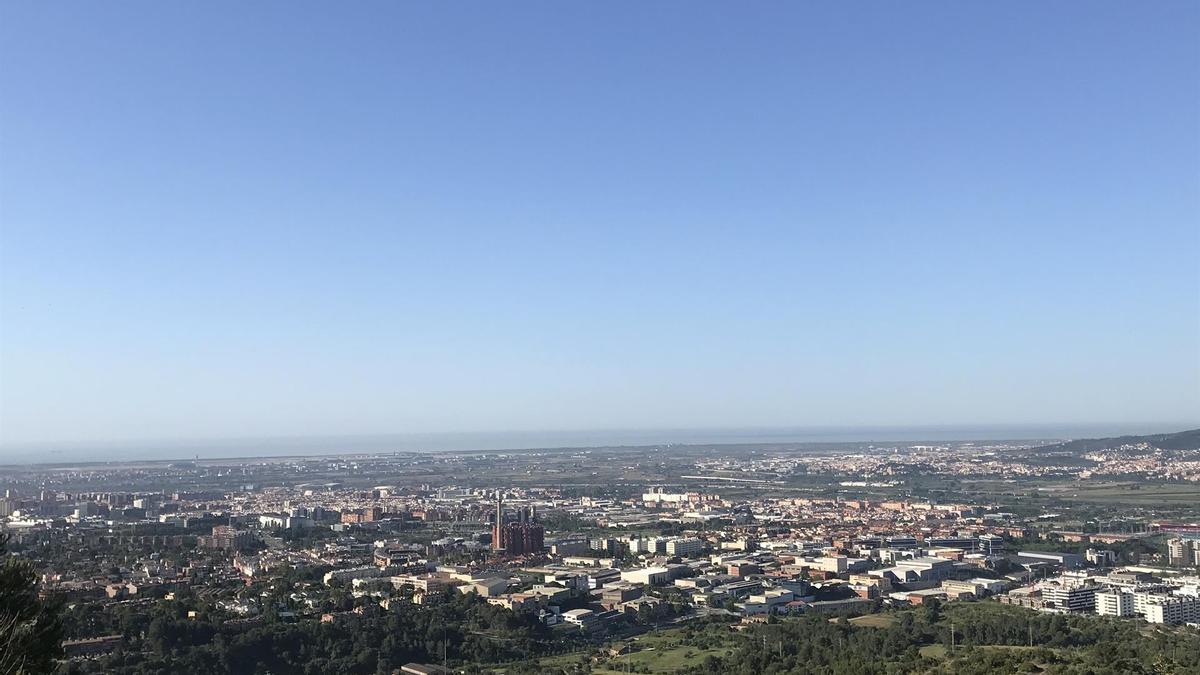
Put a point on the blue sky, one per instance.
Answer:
(243, 219)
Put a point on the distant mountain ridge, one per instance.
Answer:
(1182, 440)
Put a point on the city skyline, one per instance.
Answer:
(910, 557)
(683, 337)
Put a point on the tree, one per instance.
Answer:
(932, 610)
(30, 630)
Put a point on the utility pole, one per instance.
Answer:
(1030, 634)
(952, 636)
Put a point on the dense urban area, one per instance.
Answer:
(1038, 557)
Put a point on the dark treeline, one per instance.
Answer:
(988, 638)
(461, 629)
(30, 629)
(467, 633)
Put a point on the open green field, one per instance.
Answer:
(940, 651)
(1132, 493)
(1162, 500)
(560, 663)
(873, 620)
(657, 661)
(934, 651)
(658, 652)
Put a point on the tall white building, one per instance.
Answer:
(1114, 603)
(1181, 551)
(651, 545)
(685, 546)
(1070, 598)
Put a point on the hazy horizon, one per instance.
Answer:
(218, 448)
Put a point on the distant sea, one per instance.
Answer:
(512, 440)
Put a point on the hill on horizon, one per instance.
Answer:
(1181, 440)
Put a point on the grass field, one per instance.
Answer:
(873, 620)
(1133, 493)
(658, 652)
(1169, 500)
(940, 651)
(553, 663)
(934, 651)
(657, 661)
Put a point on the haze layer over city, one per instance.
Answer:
(541, 337)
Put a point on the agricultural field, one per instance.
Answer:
(1133, 492)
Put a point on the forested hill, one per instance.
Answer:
(1183, 440)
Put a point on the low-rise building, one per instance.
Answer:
(583, 618)
(977, 587)
(650, 576)
(351, 574)
(767, 602)
(616, 594)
